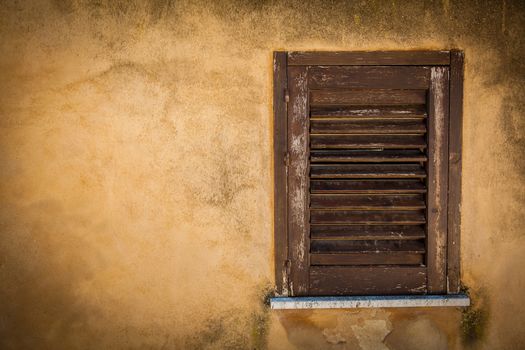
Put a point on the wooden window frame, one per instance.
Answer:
(298, 62)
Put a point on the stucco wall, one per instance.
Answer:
(136, 205)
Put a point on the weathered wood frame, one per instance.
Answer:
(454, 171)
(284, 235)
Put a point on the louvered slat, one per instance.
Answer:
(363, 171)
(369, 202)
(367, 232)
(346, 246)
(366, 252)
(367, 97)
(367, 185)
(370, 112)
(367, 141)
(372, 217)
(365, 156)
(348, 126)
(368, 258)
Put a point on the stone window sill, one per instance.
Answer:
(352, 302)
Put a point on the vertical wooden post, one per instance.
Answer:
(454, 170)
(280, 175)
(298, 178)
(437, 180)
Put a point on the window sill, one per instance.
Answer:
(352, 302)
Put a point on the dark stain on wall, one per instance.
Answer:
(473, 324)
(261, 319)
(474, 319)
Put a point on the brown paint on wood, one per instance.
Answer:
(364, 156)
(361, 171)
(377, 77)
(363, 232)
(298, 180)
(370, 111)
(346, 246)
(379, 258)
(364, 120)
(367, 97)
(367, 186)
(358, 280)
(367, 202)
(367, 141)
(349, 126)
(280, 175)
(350, 252)
(437, 179)
(454, 170)
(371, 217)
(372, 58)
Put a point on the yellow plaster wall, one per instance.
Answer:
(136, 204)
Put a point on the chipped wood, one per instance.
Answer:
(280, 175)
(370, 111)
(364, 232)
(367, 141)
(357, 280)
(298, 179)
(368, 201)
(362, 171)
(371, 58)
(352, 126)
(437, 169)
(376, 77)
(367, 186)
(375, 217)
(367, 97)
(376, 132)
(454, 170)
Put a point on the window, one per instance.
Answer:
(367, 172)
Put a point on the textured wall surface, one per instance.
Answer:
(136, 205)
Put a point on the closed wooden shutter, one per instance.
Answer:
(366, 178)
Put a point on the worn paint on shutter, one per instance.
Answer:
(298, 180)
(437, 183)
(368, 173)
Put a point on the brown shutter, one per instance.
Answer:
(368, 163)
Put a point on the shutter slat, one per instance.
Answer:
(367, 97)
(360, 232)
(360, 280)
(378, 138)
(362, 202)
(351, 77)
(383, 258)
(359, 156)
(367, 186)
(368, 111)
(367, 171)
(367, 141)
(346, 126)
(372, 217)
(346, 246)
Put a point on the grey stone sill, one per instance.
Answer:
(287, 303)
